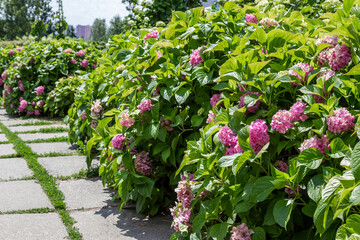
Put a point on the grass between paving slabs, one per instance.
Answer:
(47, 181)
(34, 210)
(19, 179)
(39, 123)
(55, 139)
(47, 130)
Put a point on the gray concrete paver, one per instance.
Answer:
(14, 168)
(6, 149)
(58, 147)
(36, 136)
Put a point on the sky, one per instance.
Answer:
(84, 12)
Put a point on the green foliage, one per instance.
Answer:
(98, 30)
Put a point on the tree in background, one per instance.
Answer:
(149, 12)
(70, 32)
(117, 26)
(98, 30)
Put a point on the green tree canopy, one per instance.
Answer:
(117, 26)
(98, 30)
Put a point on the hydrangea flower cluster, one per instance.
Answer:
(143, 164)
(85, 63)
(304, 67)
(11, 52)
(73, 61)
(94, 124)
(126, 121)
(251, 18)
(282, 166)
(283, 120)
(319, 143)
(254, 107)
(268, 22)
(181, 213)
(338, 56)
(229, 138)
(21, 86)
(40, 103)
(166, 123)
(195, 58)
(258, 135)
(341, 121)
(23, 105)
(215, 99)
(96, 108)
(211, 116)
(118, 141)
(145, 105)
(83, 115)
(153, 34)
(39, 90)
(81, 53)
(68, 50)
(241, 232)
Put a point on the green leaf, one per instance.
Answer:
(311, 158)
(355, 162)
(227, 161)
(244, 207)
(259, 234)
(282, 211)
(154, 130)
(338, 148)
(182, 95)
(257, 66)
(166, 154)
(355, 196)
(166, 93)
(259, 34)
(239, 161)
(347, 6)
(264, 186)
(219, 231)
(354, 71)
(155, 111)
(146, 188)
(196, 120)
(198, 222)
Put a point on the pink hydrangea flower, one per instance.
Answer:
(23, 105)
(81, 53)
(181, 216)
(156, 91)
(21, 98)
(339, 57)
(153, 34)
(21, 87)
(195, 58)
(40, 103)
(215, 99)
(341, 121)
(282, 121)
(254, 107)
(1, 81)
(297, 111)
(327, 39)
(12, 105)
(30, 113)
(4, 74)
(19, 49)
(83, 115)
(241, 232)
(251, 18)
(145, 105)
(37, 112)
(39, 90)
(166, 123)
(211, 117)
(233, 149)
(227, 137)
(319, 143)
(85, 63)
(73, 61)
(159, 54)
(304, 67)
(93, 66)
(126, 121)
(118, 141)
(68, 50)
(184, 194)
(33, 103)
(11, 52)
(282, 166)
(258, 135)
(268, 22)
(143, 164)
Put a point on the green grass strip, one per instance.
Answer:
(15, 155)
(39, 123)
(47, 130)
(47, 181)
(55, 139)
(35, 210)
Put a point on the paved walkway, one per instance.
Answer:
(22, 199)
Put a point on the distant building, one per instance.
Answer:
(83, 31)
(209, 2)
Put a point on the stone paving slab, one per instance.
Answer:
(36, 136)
(5, 118)
(14, 168)
(19, 121)
(58, 147)
(64, 165)
(2, 111)
(22, 195)
(36, 226)
(34, 128)
(3, 138)
(6, 149)
(88, 193)
(107, 224)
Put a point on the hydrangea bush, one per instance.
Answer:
(250, 115)
(32, 75)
